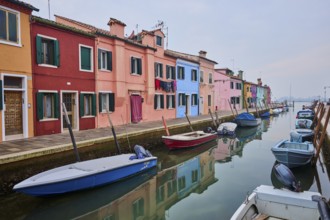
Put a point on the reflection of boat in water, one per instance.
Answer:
(247, 134)
(89, 202)
(304, 174)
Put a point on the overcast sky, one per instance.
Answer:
(282, 41)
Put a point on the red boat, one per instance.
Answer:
(187, 140)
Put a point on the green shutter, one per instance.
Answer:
(112, 102)
(161, 70)
(167, 72)
(1, 104)
(174, 72)
(155, 102)
(81, 105)
(162, 101)
(167, 101)
(100, 102)
(183, 72)
(56, 106)
(94, 104)
(99, 58)
(38, 50)
(173, 101)
(139, 66)
(155, 69)
(40, 106)
(183, 99)
(85, 58)
(109, 60)
(57, 53)
(132, 64)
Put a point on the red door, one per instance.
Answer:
(136, 108)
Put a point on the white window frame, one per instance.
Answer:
(19, 43)
(180, 78)
(158, 69)
(135, 73)
(170, 100)
(193, 100)
(104, 51)
(49, 91)
(49, 38)
(161, 40)
(194, 75)
(210, 78)
(158, 101)
(180, 95)
(201, 76)
(92, 60)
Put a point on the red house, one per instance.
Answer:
(63, 71)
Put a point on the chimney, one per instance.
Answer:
(240, 74)
(117, 27)
(259, 82)
(202, 53)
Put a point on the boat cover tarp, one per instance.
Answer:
(295, 137)
(246, 116)
(140, 153)
(264, 115)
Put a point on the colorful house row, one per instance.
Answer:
(46, 65)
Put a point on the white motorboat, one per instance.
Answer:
(227, 128)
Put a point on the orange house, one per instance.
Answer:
(16, 102)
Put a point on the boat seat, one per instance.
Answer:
(262, 216)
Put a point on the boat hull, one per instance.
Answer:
(183, 141)
(293, 154)
(247, 123)
(278, 203)
(84, 175)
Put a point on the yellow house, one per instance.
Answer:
(247, 94)
(16, 113)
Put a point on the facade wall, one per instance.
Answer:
(236, 92)
(15, 61)
(66, 78)
(187, 87)
(221, 91)
(247, 94)
(206, 88)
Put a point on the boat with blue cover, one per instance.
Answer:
(246, 119)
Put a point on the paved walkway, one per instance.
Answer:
(16, 150)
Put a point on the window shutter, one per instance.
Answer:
(109, 60)
(56, 106)
(183, 99)
(112, 102)
(167, 72)
(161, 70)
(100, 102)
(167, 101)
(155, 102)
(40, 106)
(132, 64)
(183, 72)
(85, 58)
(81, 104)
(99, 58)
(192, 99)
(173, 101)
(139, 65)
(162, 101)
(38, 50)
(192, 75)
(94, 104)
(57, 53)
(155, 69)
(196, 99)
(1, 104)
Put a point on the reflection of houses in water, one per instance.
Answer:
(177, 183)
(228, 147)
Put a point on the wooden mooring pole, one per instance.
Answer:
(214, 124)
(165, 126)
(319, 107)
(217, 118)
(191, 128)
(318, 126)
(231, 108)
(320, 143)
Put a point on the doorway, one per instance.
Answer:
(69, 99)
(201, 105)
(136, 108)
(187, 105)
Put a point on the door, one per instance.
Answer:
(69, 99)
(201, 105)
(13, 113)
(187, 105)
(136, 108)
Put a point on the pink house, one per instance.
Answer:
(222, 90)
(126, 72)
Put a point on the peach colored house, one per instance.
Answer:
(126, 73)
(206, 84)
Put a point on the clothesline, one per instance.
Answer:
(166, 86)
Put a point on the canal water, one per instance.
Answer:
(208, 182)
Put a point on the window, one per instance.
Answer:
(171, 187)
(159, 70)
(194, 75)
(138, 208)
(209, 100)
(159, 41)
(232, 100)
(86, 58)
(170, 72)
(170, 101)
(232, 85)
(106, 102)
(9, 26)
(160, 194)
(159, 101)
(47, 105)
(194, 99)
(237, 100)
(182, 99)
(182, 183)
(180, 72)
(238, 86)
(104, 60)
(136, 66)
(87, 105)
(210, 78)
(201, 76)
(194, 176)
(48, 51)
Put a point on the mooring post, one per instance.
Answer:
(316, 131)
(231, 108)
(316, 114)
(319, 145)
(217, 118)
(191, 128)
(214, 124)
(165, 126)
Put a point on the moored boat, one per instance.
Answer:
(293, 154)
(304, 123)
(87, 174)
(227, 128)
(302, 135)
(247, 120)
(187, 140)
(305, 114)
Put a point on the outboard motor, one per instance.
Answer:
(208, 130)
(286, 177)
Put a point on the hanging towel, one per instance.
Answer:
(157, 84)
